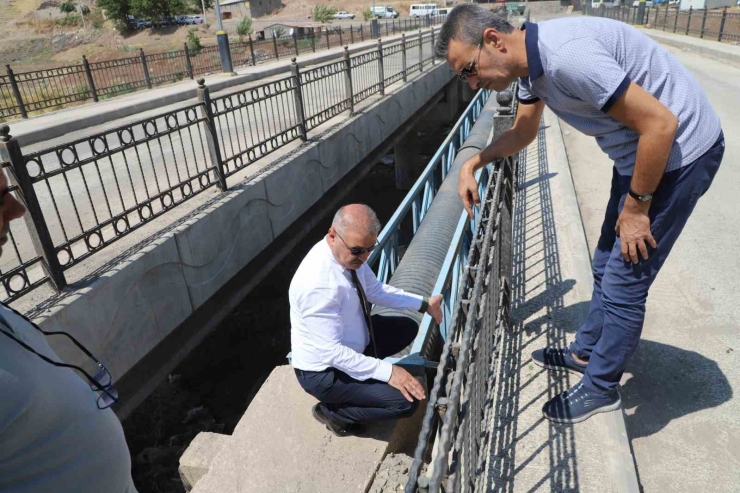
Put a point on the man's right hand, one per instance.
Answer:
(408, 385)
(467, 187)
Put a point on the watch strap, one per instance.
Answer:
(424, 305)
(641, 197)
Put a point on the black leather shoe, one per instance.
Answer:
(340, 430)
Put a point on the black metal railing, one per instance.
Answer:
(86, 194)
(458, 414)
(39, 91)
(717, 24)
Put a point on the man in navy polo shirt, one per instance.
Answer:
(648, 114)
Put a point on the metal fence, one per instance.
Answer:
(477, 288)
(84, 195)
(44, 90)
(720, 25)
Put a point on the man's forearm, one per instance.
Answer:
(651, 158)
(510, 142)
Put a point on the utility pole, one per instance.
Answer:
(203, 4)
(218, 14)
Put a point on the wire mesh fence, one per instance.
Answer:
(86, 194)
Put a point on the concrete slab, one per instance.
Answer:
(279, 447)
(222, 239)
(551, 289)
(196, 461)
(707, 47)
(682, 414)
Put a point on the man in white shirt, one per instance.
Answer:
(336, 358)
(56, 432)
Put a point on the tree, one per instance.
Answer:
(367, 14)
(67, 7)
(193, 40)
(324, 13)
(244, 28)
(117, 11)
(279, 32)
(157, 9)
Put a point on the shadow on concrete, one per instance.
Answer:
(667, 383)
(535, 257)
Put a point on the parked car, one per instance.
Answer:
(636, 3)
(195, 19)
(344, 15)
(385, 12)
(142, 24)
(441, 11)
(422, 9)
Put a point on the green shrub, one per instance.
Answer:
(367, 14)
(324, 13)
(244, 28)
(67, 7)
(193, 39)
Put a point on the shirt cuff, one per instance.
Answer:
(383, 371)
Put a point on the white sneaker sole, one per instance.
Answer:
(603, 409)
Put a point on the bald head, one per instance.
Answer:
(357, 218)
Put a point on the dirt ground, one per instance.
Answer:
(212, 388)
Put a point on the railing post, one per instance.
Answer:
(703, 23)
(298, 94)
(433, 57)
(328, 45)
(721, 24)
(295, 41)
(145, 68)
(421, 52)
(341, 40)
(351, 35)
(90, 81)
(10, 150)
(17, 91)
(274, 46)
(665, 18)
(688, 22)
(348, 81)
(381, 72)
(362, 35)
(313, 40)
(675, 21)
(251, 51)
(204, 96)
(188, 62)
(403, 55)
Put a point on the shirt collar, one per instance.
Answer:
(531, 38)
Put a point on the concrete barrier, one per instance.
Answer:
(132, 307)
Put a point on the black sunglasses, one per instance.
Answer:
(100, 382)
(356, 251)
(470, 70)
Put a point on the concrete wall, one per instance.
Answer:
(136, 304)
(263, 7)
(546, 7)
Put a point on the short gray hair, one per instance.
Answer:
(345, 220)
(466, 23)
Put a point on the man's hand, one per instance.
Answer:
(435, 308)
(408, 385)
(633, 228)
(467, 187)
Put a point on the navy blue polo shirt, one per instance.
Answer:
(581, 66)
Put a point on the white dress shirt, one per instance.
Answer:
(328, 327)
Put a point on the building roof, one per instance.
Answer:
(224, 3)
(294, 24)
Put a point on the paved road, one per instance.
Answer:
(682, 417)
(125, 179)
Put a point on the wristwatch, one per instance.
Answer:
(424, 305)
(641, 197)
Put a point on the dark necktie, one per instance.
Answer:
(365, 308)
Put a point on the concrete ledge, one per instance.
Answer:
(706, 47)
(125, 313)
(197, 459)
(279, 447)
(46, 127)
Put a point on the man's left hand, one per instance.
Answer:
(633, 228)
(435, 308)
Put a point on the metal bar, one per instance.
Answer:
(40, 236)
(381, 72)
(188, 62)
(145, 68)
(688, 23)
(90, 81)
(421, 52)
(326, 32)
(433, 57)
(204, 96)
(298, 94)
(362, 35)
(295, 41)
(665, 18)
(403, 55)
(722, 24)
(348, 81)
(341, 41)
(313, 40)
(675, 22)
(351, 35)
(703, 23)
(274, 46)
(17, 92)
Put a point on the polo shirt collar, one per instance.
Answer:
(534, 62)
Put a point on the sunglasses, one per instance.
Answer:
(100, 382)
(470, 70)
(356, 251)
